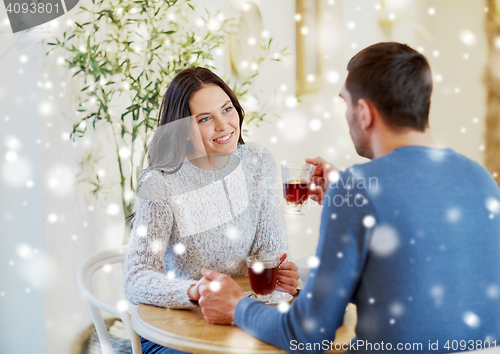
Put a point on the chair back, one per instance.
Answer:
(84, 280)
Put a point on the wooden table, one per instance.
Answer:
(188, 331)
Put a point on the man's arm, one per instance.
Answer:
(319, 309)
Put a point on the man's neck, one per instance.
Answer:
(387, 140)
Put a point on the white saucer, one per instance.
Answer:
(276, 298)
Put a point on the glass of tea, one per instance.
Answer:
(297, 178)
(263, 272)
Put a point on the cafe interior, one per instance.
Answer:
(63, 195)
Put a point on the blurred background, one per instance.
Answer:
(60, 193)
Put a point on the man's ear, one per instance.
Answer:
(366, 113)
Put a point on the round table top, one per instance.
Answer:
(187, 330)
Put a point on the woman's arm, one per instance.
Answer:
(146, 280)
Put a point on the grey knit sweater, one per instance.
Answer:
(194, 219)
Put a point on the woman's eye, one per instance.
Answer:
(228, 109)
(204, 120)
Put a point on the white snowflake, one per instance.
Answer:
(467, 37)
(385, 241)
(371, 300)
(142, 231)
(333, 77)
(471, 319)
(291, 102)
(179, 248)
(60, 180)
(492, 291)
(257, 267)
(52, 218)
(369, 221)
(334, 176)
(396, 309)
(315, 124)
(453, 215)
(45, 108)
(156, 246)
(215, 286)
(437, 154)
(313, 262)
(122, 305)
(437, 293)
(13, 143)
(493, 205)
(283, 307)
(309, 325)
(124, 152)
(24, 251)
(232, 233)
(113, 209)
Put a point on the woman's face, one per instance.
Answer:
(217, 119)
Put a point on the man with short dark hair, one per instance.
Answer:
(411, 237)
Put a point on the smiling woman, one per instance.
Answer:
(217, 120)
(207, 200)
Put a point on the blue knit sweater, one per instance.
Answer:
(413, 239)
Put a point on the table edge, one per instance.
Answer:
(157, 336)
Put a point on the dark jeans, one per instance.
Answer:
(152, 348)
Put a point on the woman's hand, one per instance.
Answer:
(194, 290)
(288, 277)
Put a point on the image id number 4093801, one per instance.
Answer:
(469, 344)
(38, 7)
(26, 14)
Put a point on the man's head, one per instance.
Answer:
(390, 81)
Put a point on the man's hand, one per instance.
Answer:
(194, 290)
(219, 298)
(321, 179)
(288, 276)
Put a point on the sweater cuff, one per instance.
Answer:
(184, 301)
(241, 308)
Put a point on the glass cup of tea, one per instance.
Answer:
(263, 272)
(297, 178)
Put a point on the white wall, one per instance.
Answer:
(22, 243)
(83, 226)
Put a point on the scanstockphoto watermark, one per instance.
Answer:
(350, 196)
(356, 345)
(430, 346)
